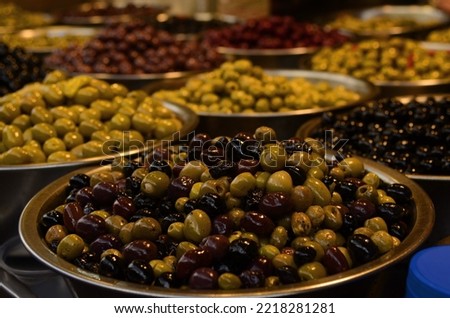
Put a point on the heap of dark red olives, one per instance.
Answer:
(18, 68)
(135, 48)
(411, 135)
(226, 213)
(274, 32)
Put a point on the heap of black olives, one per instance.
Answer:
(245, 211)
(410, 135)
(18, 68)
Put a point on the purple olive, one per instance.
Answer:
(257, 223)
(192, 260)
(140, 249)
(84, 196)
(204, 278)
(104, 193)
(71, 214)
(180, 187)
(263, 264)
(275, 205)
(139, 271)
(362, 209)
(104, 242)
(335, 261)
(217, 244)
(90, 226)
(252, 279)
(222, 224)
(124, 207)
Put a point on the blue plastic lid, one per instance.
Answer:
(429, 273)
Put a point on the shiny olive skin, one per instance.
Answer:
(140, 249)
(257, 223)
(204, 278)
(90, 226)
(335, 261)
(361, 248)
(105, 242)
(191, 260)
(391, 212)
(139, 271)
(275, 205)
(72, 213)
(111, 266)
(217, 244)
(252, 279)
(287, 275)
(50, 218)
(240, 254)
(304, 254)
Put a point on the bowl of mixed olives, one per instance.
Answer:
(390, 20)
(241, 96)
(397, 66)
(227, 216)
(274, 41)
(51, 127)
(407, 133)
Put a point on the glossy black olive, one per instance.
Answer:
(391, 212)
(251, 201)
(180, 187)
(252, 279)
(166, 280)
(346, 189)
(111, 265)
(88, 261)
(139, 271)
(223, 168)
(297, 174)
(50, 218)
(79, 181)
(240, 254)
(142, 201)
(361, 248)
(204, 278)
(161, 165)
(263, 264)
(287, 275)
(362, 209)
(304, 254)
(222, 224)
(398, 229)
(104, 242)
(211, 203)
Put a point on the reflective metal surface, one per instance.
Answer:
(285, 123)
(426, 16)
(53, 195)
(18, 183)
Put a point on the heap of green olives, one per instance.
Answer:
(241, 87)
(247, 211)
(440, 35)
(396, 59)
(69, 118)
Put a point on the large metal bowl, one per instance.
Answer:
(18, 183)
(437, 186)
(333, 285)
(285, 123)
(426, 18)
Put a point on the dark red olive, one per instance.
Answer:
(140, 249)
(180, 187)
(124, 206)
(361, 248)
(105, 193)
(192, 260)
(275, 205)
(362, 209)
(391, 212)
(287, 275)
(139, 271)
(222, 224)
(263, 264)
(71, 214)
(247, 165)
(111, 265)
(252, 279)
(217, 244)
(257, 223)
(90, 226)
(84, 196)
(223, 168)
(304, 254)
(335, 261)
(204, 278)
(104, 242)
(200, 141)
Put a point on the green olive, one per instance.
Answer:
(300, 224)
(326, 238)
(160, 267)
(353, 167)
(272, 281)
(279, 237)
(302, 197)
(22, 121)
(312, 270)
(176, 231)
(155, 184)
(92, 148)
(364, 231)
(63, 126)
(16, 156)
(316, 215)
(281, 260)
(273, 158)
(383, 240)
(70, 247)
(269, 251)
(114, 224)
(197, 225)
(261, 179)
(242, 184)
(9, 111)
(376, 224)
(73, 139)
(52, 145)
(229, 281)
(279, 181)
(146, 228)
(183, 247)
(193, 169)
(55, 233)
(86, 95)
(333, 217)
(12, 136)
(265, 134)
(120, 122)
(322, 195)
(125, 233)
(43, 131)
(372, 179)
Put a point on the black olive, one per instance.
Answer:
(346, 189)
(79, 181)
(304, 254)
(297, 174)
(50, 218)
(223, 168)
(87, 261)
(399, 192)
(240, 253)
(287, 275)
(211, 203)
(139, 271)
(251, 201)
(361, 248)
(391, 212)
(111, 265)
(252, 279)
(166, 280)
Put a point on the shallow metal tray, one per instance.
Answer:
(53, 195)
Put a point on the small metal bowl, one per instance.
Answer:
(284, 123)
(55, 32)
(437, 186)
(426, 17)
(18, 183)
(333, 285)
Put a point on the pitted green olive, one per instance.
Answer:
(155, 184)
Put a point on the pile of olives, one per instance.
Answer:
(135, 48)
(441, 35)
(410, 135)
(381, 23)
(69, 118)
(274, 32)
(247, 211)
(18, 68)
(241, 87)
(396, 59)
(13, 17)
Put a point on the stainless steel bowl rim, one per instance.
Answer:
(419, 232)
(138, 77)
(267, 52)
